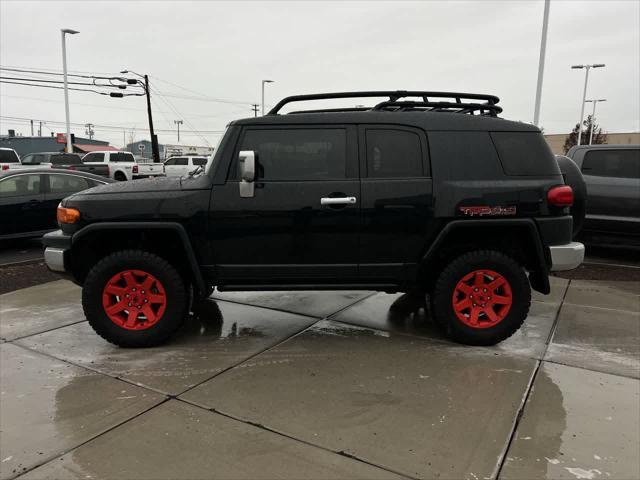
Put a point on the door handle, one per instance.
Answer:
(337, 200)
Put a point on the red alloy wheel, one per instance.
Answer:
(482, 299)
(134, 299)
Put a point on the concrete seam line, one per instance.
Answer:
(525, 399)
(286, 435)
(46, 331)
(568, 365)
(91, 369)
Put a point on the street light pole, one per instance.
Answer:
(543, 48)
(584, 93)
(178, 123)
(263, 82)
(593, 115)
(63, 32)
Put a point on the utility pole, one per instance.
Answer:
(543, 48)
(32, 128)
(40, 129)
(584, 93)
(89, 131)
(254, 107)
(178, 123)
(155, 149)
(64, 31)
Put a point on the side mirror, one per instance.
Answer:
(247, 160)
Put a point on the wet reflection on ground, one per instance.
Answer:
(216, 337)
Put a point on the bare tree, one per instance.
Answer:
(599, 137)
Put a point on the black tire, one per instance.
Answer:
(174, 288)
(443, 294)
(120, 177)
(573, 178)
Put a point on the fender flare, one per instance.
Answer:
(539, 278)
(173, 226)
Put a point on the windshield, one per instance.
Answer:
(9, 156)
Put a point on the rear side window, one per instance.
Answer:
(93, 157)
(393, 153)
(68, 183)
(298, 154)
(181, 161)
(9, 156)
(126, 157)
(612, 163)
(65, 159)
(525, 153)
(199, 161)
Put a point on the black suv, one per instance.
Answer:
(435, 195)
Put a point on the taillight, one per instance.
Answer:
(67, 215)
(560, 196)
(72, 167)
(135, 169)
(5, 167)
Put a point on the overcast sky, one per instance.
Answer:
(200, 52)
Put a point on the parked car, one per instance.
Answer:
(69, 161)
(612, 175)
(181, 166)
(29, 198)
(123, 166)
(436, 197)
(9, 159)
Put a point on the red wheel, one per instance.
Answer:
(482, 299)
(134, 299)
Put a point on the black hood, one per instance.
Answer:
(157, 184)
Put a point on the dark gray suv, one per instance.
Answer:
(612, 175)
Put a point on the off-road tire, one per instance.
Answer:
(442, 307)
(173, 285)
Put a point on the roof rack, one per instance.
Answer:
(469, 103)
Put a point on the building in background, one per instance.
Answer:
(25, 145)
(143, 149)
(556, 140)
(180, 149)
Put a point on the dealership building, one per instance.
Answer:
(24, 145)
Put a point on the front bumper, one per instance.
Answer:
(57, 251)
(566, 257)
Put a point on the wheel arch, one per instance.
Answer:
(97, 240)
(517, 237)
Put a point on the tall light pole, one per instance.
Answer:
(593, 115)
(63, 32)
(263, 82)
(543, 48)
(584, 93)
(178, 123)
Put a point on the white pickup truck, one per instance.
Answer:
(9, 159)
(182, 165)
(123, 165)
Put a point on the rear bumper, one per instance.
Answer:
(566, 257)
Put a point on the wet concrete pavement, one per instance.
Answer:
(323, 385)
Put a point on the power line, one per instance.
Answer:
(59, 82)
(40, 72)
(108, 94)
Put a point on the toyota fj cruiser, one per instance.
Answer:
(434, 196)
